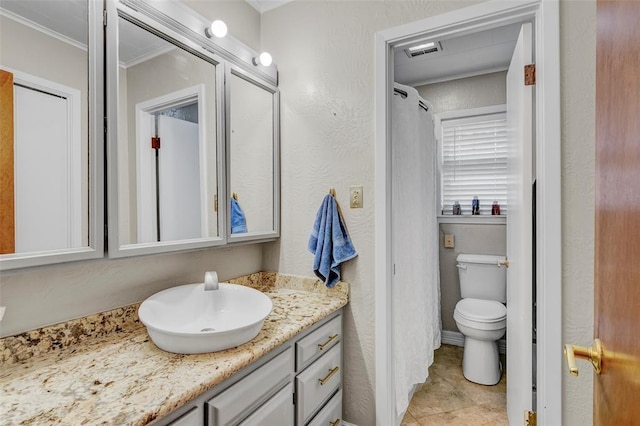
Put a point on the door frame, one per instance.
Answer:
(545, 17)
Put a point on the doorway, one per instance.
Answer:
(171, 175)
(547, 169)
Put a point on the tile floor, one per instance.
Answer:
(447, 398)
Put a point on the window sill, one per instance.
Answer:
(482, 220)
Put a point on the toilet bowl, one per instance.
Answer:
(482, 322)
(481, 315)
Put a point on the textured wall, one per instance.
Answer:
(324, 51)
(578, 47)
(466, 93)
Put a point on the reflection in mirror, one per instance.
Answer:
(167, 186)
(44, 126)
(251, 154)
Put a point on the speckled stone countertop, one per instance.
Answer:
(104, 369)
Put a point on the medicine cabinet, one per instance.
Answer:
(171, 93)
(51, 138)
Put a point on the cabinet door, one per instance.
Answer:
(278, 411)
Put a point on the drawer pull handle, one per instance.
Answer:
(332, 371)
(336, 422)
(331, 339)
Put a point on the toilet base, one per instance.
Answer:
(481, 362)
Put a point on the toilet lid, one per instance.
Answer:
(481, 310)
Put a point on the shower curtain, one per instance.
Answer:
(416, 281)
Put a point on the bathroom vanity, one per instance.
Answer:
(105, 369)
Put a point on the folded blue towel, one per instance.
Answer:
(238, 221)
(330, 242)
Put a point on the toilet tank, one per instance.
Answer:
(481, 277)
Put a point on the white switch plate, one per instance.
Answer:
(356, 196)
(448, 241)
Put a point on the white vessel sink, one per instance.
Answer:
(189, 320)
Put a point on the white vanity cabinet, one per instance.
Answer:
(297, 384)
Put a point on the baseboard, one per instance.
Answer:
(456, 338)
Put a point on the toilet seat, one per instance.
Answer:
(481, 314)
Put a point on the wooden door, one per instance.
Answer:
(519, 231)
(7, 207)
(617, 226)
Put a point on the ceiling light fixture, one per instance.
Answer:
(217, 28)
(264, 59)
(424, 46)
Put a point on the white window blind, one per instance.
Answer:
(474, 162)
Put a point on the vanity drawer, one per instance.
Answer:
(331, 414)
(318, 342)
(317, 383)
(278, 411)
(250, 392)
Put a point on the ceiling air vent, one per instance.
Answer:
(423, 48)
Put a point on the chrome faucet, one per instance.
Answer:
(210, 280)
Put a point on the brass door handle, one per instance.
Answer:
(336, 422)
(592, 354)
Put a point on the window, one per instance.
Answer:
(473, 159)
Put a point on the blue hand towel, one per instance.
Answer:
(330, 242)
(238, 221)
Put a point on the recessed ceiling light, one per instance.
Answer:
(423, 48)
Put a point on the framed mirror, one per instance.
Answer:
(51, 132)
(252, 149)
(164, 143)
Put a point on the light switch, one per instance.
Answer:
(355, 197)
(448, 241)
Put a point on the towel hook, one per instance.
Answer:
(332, 191)
(235, 196)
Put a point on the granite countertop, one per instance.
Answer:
(104, 369)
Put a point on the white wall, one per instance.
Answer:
(324, 51)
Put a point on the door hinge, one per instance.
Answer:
(215, 203)
(155, 143)
(104, 18)
(530, 75)
(530, 418)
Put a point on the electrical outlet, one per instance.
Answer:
(356, 197)
(448, 241)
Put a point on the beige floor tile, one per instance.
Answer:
(438, 396)
(409, 420)
(447, 398)
(475, 415)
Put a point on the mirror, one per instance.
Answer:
(166, 142)
(51, 132)
(252, 152)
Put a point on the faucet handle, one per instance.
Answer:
(210, 280)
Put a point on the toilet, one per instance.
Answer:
(481, 315)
